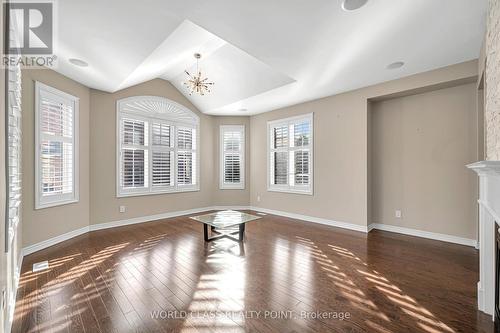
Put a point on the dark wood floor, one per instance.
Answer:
(116, 280)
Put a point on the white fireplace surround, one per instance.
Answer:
(489, 213)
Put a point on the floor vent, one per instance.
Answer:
(40, 266)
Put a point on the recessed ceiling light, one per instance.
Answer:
(78, 62)
(242, 110)
(396, 65)
(350, 5)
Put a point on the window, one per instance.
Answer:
(232, 157)
(157, 147)
(56, 147)
(290, 155)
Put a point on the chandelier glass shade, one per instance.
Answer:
(196, 83)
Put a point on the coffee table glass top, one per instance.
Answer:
(225, 219)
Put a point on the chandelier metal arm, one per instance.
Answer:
(195, 83)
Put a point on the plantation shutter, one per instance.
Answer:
(301, 138)
(280, 167)
(186, 156)
(158, 150)
(162, 156)
(290, 155)
(14, 171)
(134, 153)
(232, 157)
(56, 155)
(280, 154)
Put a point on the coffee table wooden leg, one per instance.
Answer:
(205, 232)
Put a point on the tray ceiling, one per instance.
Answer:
(263, 55)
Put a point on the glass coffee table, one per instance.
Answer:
(224, 224)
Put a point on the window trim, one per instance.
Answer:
(67, 198)
(309, 190)
(176, 120)
(222, 184)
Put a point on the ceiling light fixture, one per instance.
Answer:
(195, 83)
(350, 5)
(396, 65)
(78, 62)
(243, 110)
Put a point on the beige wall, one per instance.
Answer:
(42, 224)
(420, 145)
(341, 166)
(339, 160)
(230, 197)
(104, 205)
(98, 164)
(341, 151)
(492, 82)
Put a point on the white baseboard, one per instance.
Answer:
(147, 218)
(371, 227)
(345, 225)
(53, 241)
(61, 238)
(231, 208)
(12, 301)
(332, 223)
(480, 297)
(423, 234)
(119, 223)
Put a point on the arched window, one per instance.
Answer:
(157, 147)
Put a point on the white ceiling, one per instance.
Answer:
(261, 54)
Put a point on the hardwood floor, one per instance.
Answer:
(116, 280)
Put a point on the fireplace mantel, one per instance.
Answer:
(486, 168)
(489, 213)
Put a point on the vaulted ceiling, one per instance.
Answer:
(262, 54)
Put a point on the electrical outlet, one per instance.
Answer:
(398, 213)
(122, 209)
(258, 198)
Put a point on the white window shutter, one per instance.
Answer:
(280, 167)
(185, 138)
(162, 156)
(290, 155)
(133, 168)
(162, 168)
(133, 132)
(184, 168)
(158, 151)
(232, 157)
(232, 168)
(14, 170)
(57, 149)
(134, 153)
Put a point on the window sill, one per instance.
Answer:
(55, 204)
(140, 194)
(231, 187)
(290, 191)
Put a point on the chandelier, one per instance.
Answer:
(195, 83)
